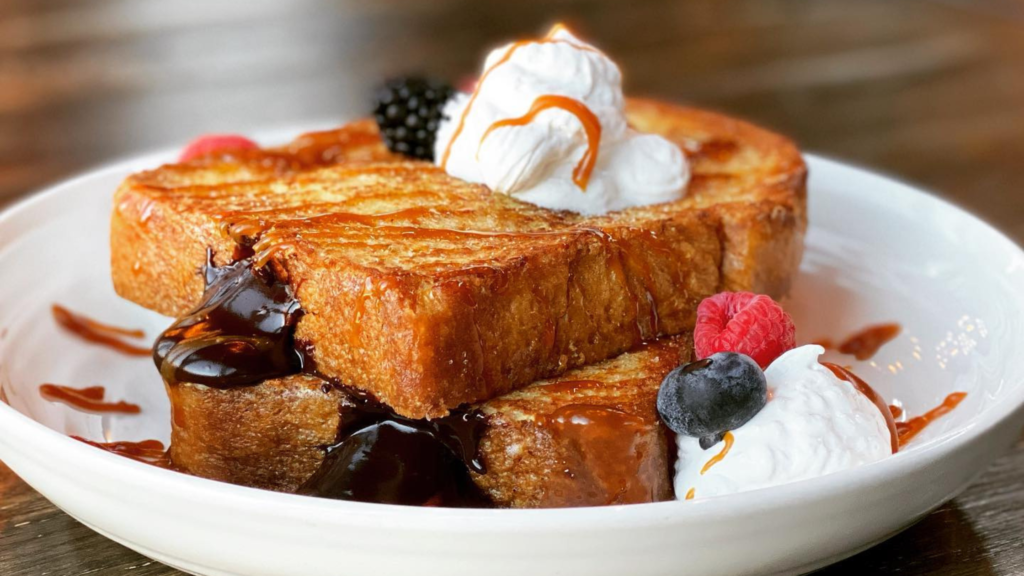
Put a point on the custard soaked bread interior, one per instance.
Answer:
(589, 438)
(430, 292)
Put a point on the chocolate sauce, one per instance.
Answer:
(240, 334)
(385, 458)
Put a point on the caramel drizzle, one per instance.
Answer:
(548, 39)
(276, 240)
(98, 333)
(876, 399)
(86, 399)
(147, 451)
(864, 344)
(728, 438)
(690, 493)
(911, 428)
(585, 167)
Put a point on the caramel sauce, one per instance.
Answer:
(610, 442)
(147, 451)
(866, 389)
(98, 333)
(728, 439)
(690, 493)
(549, 39)
(572, 386)
(86, 399)
(272, 251)
(714, 150)
(896, 412)
(591, 125)
(643, 270)
(355, 142)
(373, 291)
(865, 343)
(911, 428)
(244, 232)
(620, 261)
(275, 241)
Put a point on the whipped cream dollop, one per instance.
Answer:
(529, 130)
(813, 424)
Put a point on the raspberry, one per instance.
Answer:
(467, 83)
(751, 324)
(215, 143)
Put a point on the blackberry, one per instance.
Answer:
(408, 111)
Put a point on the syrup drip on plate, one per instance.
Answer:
(912, 427)
(89, 399)
(147, 451)
(591, 125)
(865, 343)
(99, 333)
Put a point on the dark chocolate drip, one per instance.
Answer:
(382, 457)
(240, 334)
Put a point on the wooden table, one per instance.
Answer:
(930, 92)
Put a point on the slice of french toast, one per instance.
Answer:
(591, 437)
(430, 292)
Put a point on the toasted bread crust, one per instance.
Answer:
(483, 295)
(537, 446)
(268, 436)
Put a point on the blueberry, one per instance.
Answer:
(707, 398)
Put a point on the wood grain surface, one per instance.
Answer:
(931, 92)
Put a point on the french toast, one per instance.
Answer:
(429, 292)
(591, 437)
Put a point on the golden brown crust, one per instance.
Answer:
(266, 436)
(589, 438)
(431, 292)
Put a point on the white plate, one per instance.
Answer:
(877, 251)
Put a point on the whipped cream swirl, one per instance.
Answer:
(529, 130)
(813, 424)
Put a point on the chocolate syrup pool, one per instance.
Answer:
(243, 332)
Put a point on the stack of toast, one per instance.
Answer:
(436, 299)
